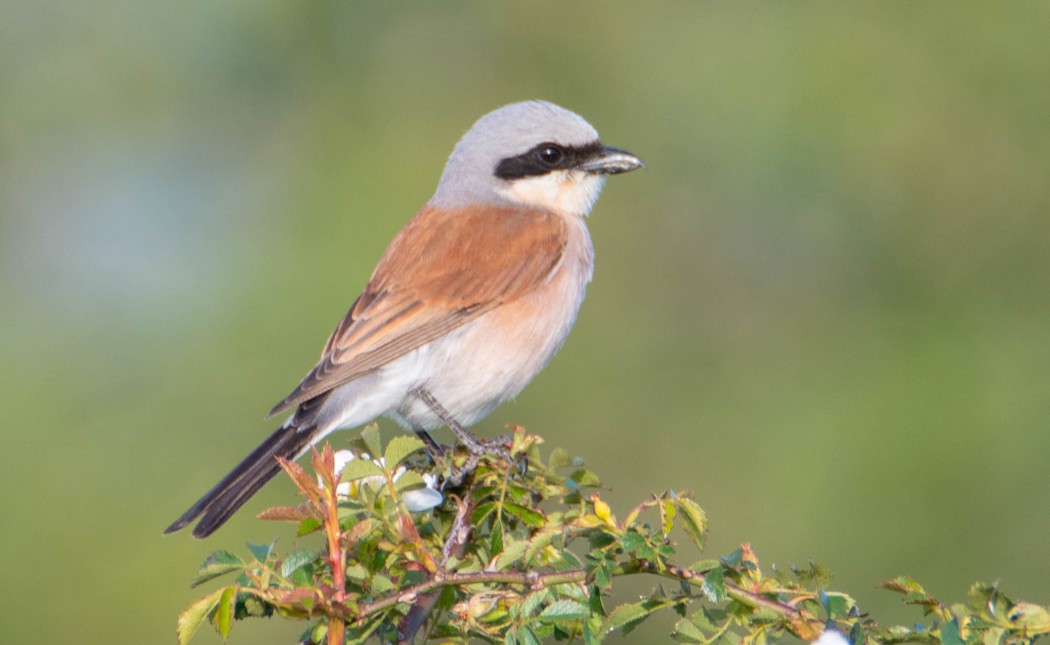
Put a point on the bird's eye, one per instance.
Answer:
(551, 154)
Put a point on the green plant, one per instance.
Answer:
(528, 555)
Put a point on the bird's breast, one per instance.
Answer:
(489, 360)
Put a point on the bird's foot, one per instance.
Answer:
(500, 447)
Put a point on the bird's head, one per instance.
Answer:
(535, 154)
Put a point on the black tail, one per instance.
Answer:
(244, 480)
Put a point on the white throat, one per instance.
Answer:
(572, 192)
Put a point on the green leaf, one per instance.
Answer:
(835, 604)
(527, 637)
(217, 564)
(667, 515)
(370, 434)
(857, 634)
(626, 614)
(512, 553)
(539, 542)
(400, 447)
(527, 607)
(496, 539)
(694, 520)
(481, 512)
(905, 585)
(714, 588)
(222, 618)
(296, 560)
(191, 618)
(527, 515)
(685, 631)
(360, 469)
(381, 584)
(816, 576)
(950, 634)
(734, 559)
(356, 571)
(632, 542)
(361, 634)
(308, 526)
(559, 458)
(565, 610)
(409, 479)
(708, 619)
(261, 552)
(585, 478)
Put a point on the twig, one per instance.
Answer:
(454, 547)
(415, 593)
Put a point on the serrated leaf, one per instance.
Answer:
(625, 614)
(285, 513)
(496, 539)
(835, 604)
(904, 584)
(193, 616)
(296, 560)
(409, 479)
(565, 610)
(560, 458)
(530, 517)
(222, 618)
(381, 584)
(734, 559)
(512, 553)
(714, 588)
(261, 552)
(370, 435)
(360, 469)
(309, 525)
(530, 603)
(306, 484)
(361, 530)
(685, 631)
(527, 637)
(950, 634)
(481, 512)
(356, 571)
(539, 542)
(217, 564)
(632, 541)
(602, 576)
(857, 635)
(400, 447)
(667, 514)
(694, 520)
(708, 619)
(585, 478)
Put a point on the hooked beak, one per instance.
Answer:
(612, 161)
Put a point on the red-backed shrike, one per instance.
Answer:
(469, 302)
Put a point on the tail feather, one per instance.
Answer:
(236, 488)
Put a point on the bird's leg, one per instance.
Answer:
(433, 448)
(498, 448)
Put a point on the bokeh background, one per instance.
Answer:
(825, 307)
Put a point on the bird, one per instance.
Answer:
(469, 302)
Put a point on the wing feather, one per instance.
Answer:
(444, 269)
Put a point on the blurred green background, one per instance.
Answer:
(825, 307)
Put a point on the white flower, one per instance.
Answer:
(423, 499)
(832, 637)
(416, 501)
